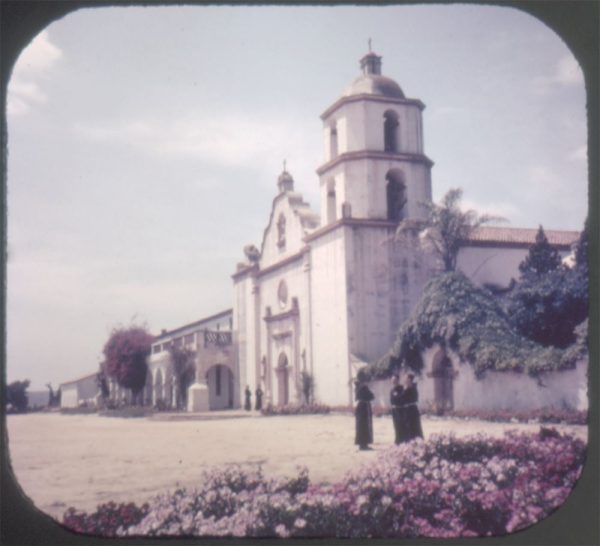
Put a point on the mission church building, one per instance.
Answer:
(327, 292)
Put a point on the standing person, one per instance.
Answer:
(363, 413)
(397, 411)
(412, 417)
(259, 395)
(248, 403)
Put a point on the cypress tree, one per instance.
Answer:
(542, 257)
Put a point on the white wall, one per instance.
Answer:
(409, 130)
(500, 391)
(88, 389)
(329, 319)
(385, 280)
(221, 400)
(492, 264)
(83, 390)
(68, 396)
(287, 204)
(363, 184)
(287, 334)
(360, 126)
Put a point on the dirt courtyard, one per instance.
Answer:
(84, 460)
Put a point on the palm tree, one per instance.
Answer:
(447, 226)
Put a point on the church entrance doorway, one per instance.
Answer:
(282, 380)
(443, 383)
(219, 379)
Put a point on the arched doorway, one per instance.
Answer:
(442, 373)
(220, 387)
(283, 394)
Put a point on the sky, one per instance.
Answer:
(144, 146)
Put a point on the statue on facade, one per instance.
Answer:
(252, 253)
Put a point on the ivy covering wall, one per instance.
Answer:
(468, 320)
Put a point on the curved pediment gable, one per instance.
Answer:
(290, 220)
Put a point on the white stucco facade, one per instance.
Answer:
(325, 291)
(495, 391)
(79, 392)
(214, 359)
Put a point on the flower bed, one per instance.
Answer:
(106, 519)
(445, 487)
(306, 409)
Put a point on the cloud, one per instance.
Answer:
(494, 208)
(542, 179)
(254, 142)
(36, 60)
(441, 111)
(579, 154)
(567, 73)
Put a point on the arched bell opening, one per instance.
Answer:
(396, 195)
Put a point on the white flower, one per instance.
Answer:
(282, 531)
(300, 523)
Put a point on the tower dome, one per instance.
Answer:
(371, 82)
(285, 181)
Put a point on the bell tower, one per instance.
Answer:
(375, 167)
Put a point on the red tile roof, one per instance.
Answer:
(521, 236)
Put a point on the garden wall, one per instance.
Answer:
(500, 390)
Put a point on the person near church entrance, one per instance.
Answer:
(410, 409)
(363, 413)
(248, 402)
(259, 395)
(397, 410)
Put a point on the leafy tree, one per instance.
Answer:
(184, 368)
(447, 226)
(550, 300)
(102, 384)
(542, 257)
(53, 397)
(125, 355)
(16, 395)
(546, 308)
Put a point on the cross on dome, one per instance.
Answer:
(285, 182)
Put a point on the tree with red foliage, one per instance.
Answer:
(125, 355)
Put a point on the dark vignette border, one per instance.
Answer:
(575, 523)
